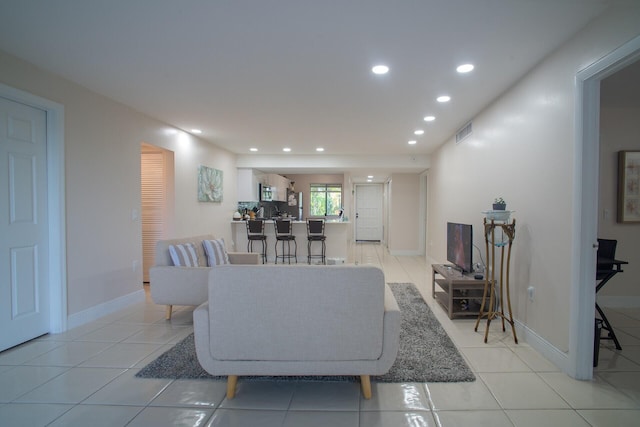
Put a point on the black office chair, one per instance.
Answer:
(255, 232)
(607, 267)
(315, 233)
(284, 233)
(606, 256)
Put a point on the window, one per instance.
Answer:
(325, 200)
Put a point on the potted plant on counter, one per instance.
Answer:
(499, 204)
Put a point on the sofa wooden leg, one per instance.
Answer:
(232, 380)
(168, 312)
(365, 383)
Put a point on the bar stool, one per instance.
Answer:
(315, 233)
(284, 233)
(255, 232)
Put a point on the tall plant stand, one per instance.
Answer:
(507, 232)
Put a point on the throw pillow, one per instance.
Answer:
(184, 255)
(216, 252)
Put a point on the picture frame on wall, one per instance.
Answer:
(210, 184)
(628, 186)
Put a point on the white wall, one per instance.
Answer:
(405, 214)
(618, 131)
(522, 149)
(102, 172)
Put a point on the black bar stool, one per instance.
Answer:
(284, 233)
(255, 232)
(315, 233)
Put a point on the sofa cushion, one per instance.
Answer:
(163, 256)
(296, 313)
(185, 255)
(216, 252)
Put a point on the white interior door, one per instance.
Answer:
(369, 212)
(24, 246)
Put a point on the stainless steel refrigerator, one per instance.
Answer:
(294, 204)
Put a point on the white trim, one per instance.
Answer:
(56, 194)
(422, 215)
(585, 202)
(542, 346)
(106, 308)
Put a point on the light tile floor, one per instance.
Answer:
(87, 377)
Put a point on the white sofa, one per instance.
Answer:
(297, 320)
(172, 285)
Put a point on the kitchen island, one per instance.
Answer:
(336, 232)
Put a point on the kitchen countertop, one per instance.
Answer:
(329, 221)
(338, 236)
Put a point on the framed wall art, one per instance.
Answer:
(209, 184)
(628, 186)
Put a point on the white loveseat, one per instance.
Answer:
(297, 320)
(171, 285)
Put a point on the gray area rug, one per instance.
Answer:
(426, 352)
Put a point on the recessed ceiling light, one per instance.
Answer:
(465, 68)
(443, 98)
(413, 142)
(253, 149)
(429, 118)
(369, 180)
(287, 149)
(370, 176)
(319, 149)
(198, 131)
(418, 132)
(380, 69)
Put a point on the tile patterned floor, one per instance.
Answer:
(87, 377)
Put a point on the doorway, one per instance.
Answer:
(157, 196)
(369, 212)
(33, 156)
(585, 226)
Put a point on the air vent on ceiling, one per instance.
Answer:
(464, 132)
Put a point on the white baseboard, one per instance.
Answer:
(544, 347)
(104, 309)
(618, 302)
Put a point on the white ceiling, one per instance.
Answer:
(269, 74)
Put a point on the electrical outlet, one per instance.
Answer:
(531, 292)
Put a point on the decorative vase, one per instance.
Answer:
(499, 206)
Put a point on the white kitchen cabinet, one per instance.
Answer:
(247, 186)
(281, 189)
(278, 184)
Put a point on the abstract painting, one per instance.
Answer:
(629, 186)
(209, 184)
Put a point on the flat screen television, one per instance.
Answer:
(460, 245)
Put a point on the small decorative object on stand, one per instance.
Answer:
(492, 293)
(499, 204)
(499, 211)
